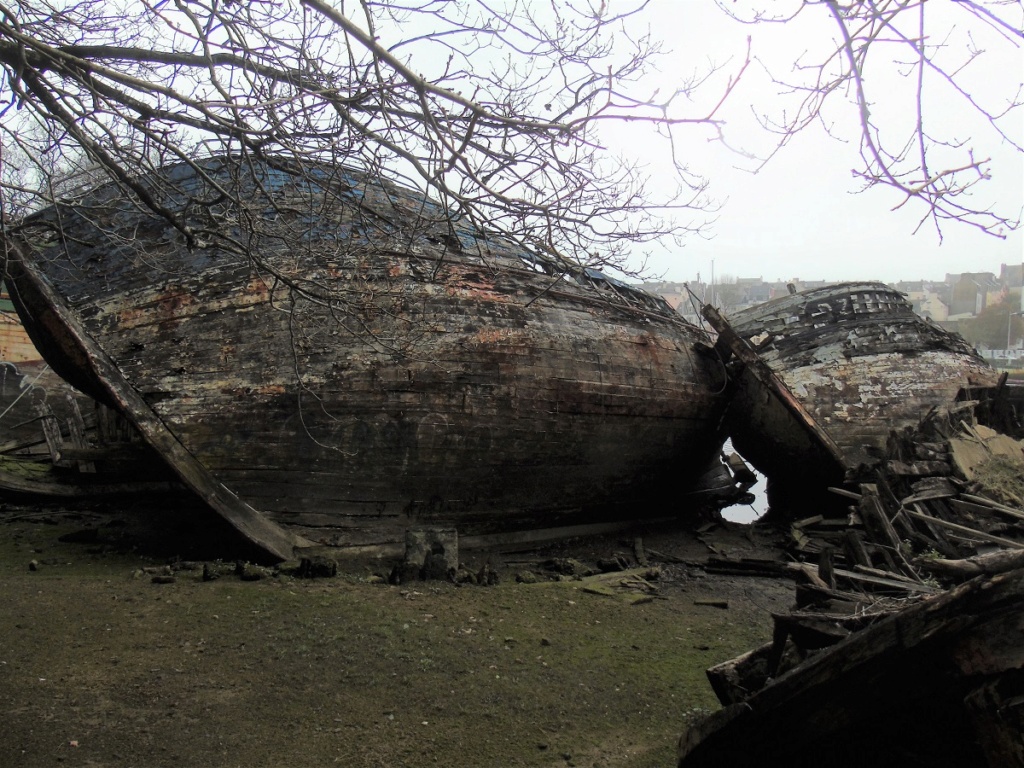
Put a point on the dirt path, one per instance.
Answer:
(100, 666)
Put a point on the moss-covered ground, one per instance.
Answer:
(100, 666)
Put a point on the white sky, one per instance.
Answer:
(798, 217)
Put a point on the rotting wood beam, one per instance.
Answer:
(963, 530)
(269, 537)
(760, 370)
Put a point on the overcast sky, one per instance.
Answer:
(799, 217)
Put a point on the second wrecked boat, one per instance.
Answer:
(822, 377)
(308, 346)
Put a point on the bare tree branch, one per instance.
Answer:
(493, 107)
(931, 45)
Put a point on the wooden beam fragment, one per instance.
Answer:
(874, 517)
(891, 581)
(844, 492)
(853, 548)
(1001, 561)
(994, 505)
(767, 377)
(963, 529)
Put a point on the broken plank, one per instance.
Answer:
(932, 540)
(853, 548)
(885, 574)
(931, 491)
(844, 492)
(886, 581)
(963, 529)
(962, 569)
(770, 380)
(989, 503)
(734, 680)
(875, 519)
(851, 576)
(918, 468)
(814, 595)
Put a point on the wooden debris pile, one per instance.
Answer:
(876, 589)
(940, 682)
(944, 493)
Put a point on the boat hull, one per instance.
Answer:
(368, 381)
(843, 367)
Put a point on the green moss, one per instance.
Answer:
(338, 671)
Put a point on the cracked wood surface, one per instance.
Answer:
(354, 373)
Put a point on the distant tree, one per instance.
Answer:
(727, 293)
(996, 325)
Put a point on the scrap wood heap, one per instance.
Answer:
(940, 682)
(946, 505)
(946, 494)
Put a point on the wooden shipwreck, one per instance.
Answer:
(822, 378)
(314, 350)
(875, 664)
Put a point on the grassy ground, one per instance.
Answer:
(99, 666)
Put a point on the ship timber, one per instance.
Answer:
(940, 682)
(823, 376)
(335, 360)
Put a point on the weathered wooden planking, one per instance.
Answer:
(906, 685)
(355, 360)
(859, 362)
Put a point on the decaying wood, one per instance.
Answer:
(875, 519)
(826, 568)
(918, 468)
(897, 687)
(813, 595)
(853, 546)
(931, 488)
(36, 479)
(994, 505)
(50, 311)
(969, 532)
(936, 538)
(753, 363)
(859, 363)
(844, 492)
(945, 683)
(396, 370)
(1000, 561)
(890, 581)
(736, 679)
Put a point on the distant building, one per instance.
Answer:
(1011, 275)
(15, 345)
(676, 294)
(928, 303)
(959, 296)
(970, 293)
(755, 290)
